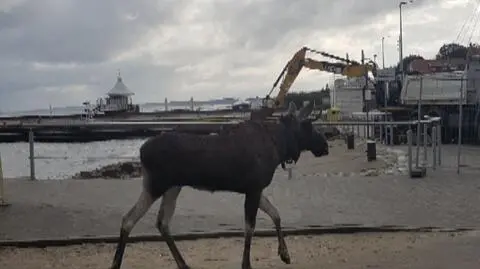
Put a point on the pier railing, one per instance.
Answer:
(110, 125)
(373, 131)
(424, 134)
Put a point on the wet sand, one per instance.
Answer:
(375, 250)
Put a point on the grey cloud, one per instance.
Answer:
(261, 24)
(25, 84)
(91, 32)
(78, 31)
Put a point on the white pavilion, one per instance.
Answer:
(119, 99)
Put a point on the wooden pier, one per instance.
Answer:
(83, 131)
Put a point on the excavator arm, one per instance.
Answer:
(295, 65)
(299, 60)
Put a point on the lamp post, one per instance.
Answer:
(366, 107)
(383, 52)
(400, 38)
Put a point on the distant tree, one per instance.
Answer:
(314, 96)
(452, 50)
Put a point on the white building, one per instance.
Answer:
(119, 99)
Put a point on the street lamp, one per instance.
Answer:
(400, 39)
(383, 51)
(366, 107)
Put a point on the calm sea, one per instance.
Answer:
(78, 110)
(62, 160)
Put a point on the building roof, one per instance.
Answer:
(120, 89)
(431, 66)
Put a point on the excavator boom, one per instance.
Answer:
(295, 65)
(299, 61)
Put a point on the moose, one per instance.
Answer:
(242, 160)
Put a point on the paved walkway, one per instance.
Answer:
(50, 209)
(347, 251)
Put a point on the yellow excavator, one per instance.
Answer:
(294, 66)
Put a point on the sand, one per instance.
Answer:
(395, 250)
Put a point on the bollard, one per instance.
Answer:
(409, 151)
(3, 200)
(350, 141)
(439, 141)
(32, 154)
(425, 144)
(434, 147)
(382, 141)
(417, 146)
(391, 135)
(371, 150)
(417, 171)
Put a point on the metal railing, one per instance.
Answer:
(163, 126)
(384, 134)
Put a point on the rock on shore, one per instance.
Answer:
(122, 170)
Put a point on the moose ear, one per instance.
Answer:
(305, 111)
(292, 109)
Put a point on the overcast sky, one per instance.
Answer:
(63, 52)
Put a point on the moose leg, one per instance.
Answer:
(252, 200)
(165, 214)
(128, 222)
(267, 207)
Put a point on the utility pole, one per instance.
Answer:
(364, 93)
(400, 39)
(365, 86)
(383, 52)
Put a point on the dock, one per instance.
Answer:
(88, 131)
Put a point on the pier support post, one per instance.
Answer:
(32, 154)
(439, 141)
(425, 144)
(410, 152)
(434, 147)
(3, 200)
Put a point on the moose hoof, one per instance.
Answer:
(284, 256)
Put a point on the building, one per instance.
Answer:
(347, 95)
(119, 99)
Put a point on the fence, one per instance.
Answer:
(428, 137)
(165, 126)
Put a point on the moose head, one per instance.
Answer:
(302, 135)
